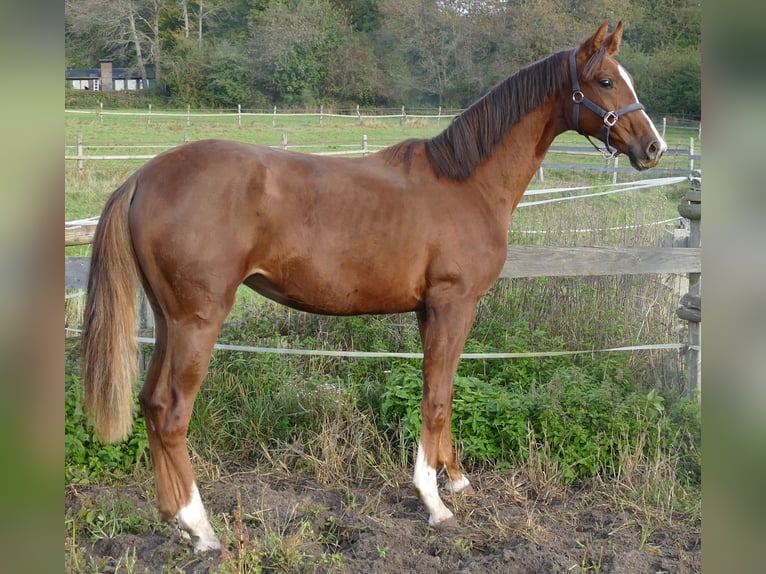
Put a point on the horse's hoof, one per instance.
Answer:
(203, 546)
(468, 489)
(445, 525)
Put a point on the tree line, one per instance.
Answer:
(302, 53)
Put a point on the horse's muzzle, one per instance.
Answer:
(647, 155)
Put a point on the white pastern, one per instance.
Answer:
(425, 483)
(192, 519)
(626, 78)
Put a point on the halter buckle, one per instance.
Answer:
(610, 118)
(608, 153)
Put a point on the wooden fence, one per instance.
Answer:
(319, 114)
(681, 256)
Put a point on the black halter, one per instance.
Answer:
(609, 118)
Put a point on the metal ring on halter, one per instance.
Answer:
(610, 118)
(578, 96)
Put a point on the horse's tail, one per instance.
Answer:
(109, 346)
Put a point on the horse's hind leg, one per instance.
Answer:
(180, 361)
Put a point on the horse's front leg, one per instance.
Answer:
(444, 326)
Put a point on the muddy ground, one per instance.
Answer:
(286, 523)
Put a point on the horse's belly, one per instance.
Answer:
(350, 297)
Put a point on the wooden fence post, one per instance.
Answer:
(691, 154)
(79, 152)
(690, 307)
(239, 115)
(274, 117)
(149, 116)
(188, 115)
(364, 144)
(321, 114)
(101, 113)
(145, 326)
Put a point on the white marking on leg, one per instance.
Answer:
(424, 479)
(456, 486)
(192, 519)
(626, 78)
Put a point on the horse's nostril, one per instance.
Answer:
(654, 150)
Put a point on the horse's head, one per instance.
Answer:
(605, 104)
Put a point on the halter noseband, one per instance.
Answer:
(609, 118)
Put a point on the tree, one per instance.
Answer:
(227, 76)
(411, 52)
(304, 51)
(128, 30)
(442, 51)
(362, 15)
(662, 24)
(668, 80)
(185, 73)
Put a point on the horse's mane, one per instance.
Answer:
(472, 136)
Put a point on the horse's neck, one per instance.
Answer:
(504, 176)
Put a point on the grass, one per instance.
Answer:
(345, 423)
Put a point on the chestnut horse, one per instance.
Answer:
(421, 226)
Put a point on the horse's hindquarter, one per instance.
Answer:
(329, 235)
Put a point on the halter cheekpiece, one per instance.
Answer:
(609, 117)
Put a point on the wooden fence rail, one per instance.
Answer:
(357, 113)
(536, 261)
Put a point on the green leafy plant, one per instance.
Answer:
(109, 515)
(583, 421)
(87, 460)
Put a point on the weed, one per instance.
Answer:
(109, 515)
(581, 423)
(87, 460)
(589, 563)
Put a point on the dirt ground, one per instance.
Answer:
(287, 523)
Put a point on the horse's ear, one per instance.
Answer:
(592, 44)
(612, 41)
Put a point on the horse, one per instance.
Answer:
(418, 227)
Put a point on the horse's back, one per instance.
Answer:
(318, 233)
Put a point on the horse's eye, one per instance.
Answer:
(605, 83)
